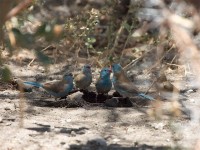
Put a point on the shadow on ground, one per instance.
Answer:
(101, 145)
(41, 128)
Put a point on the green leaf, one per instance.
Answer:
(127, 26)
(92, 40)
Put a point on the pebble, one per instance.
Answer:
(7, 108)
(158, 126)
(1, 120)
(73, 133)
(192, 100)
(116, 140)
(68, 120)
(168, 140)
(8, 123)
(190, 91)
(8, 100)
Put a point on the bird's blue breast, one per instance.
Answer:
(104, 85)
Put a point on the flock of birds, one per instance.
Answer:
(122, 84)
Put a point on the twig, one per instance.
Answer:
(175, 65)
(18, 8)
(31, 62)
(158, 62)
(46, 48)
(116, 41)
(173, 59)
(150, 86)
(132, 62)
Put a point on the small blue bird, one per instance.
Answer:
(84, 79)
(58, 89)
(123, 84)
(104, 83)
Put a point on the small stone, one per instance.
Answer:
(76, 96)
(62, 143)
(8, 100)
(57, 130)
(68, 120)
(41, 68)
(1, 120)
(8, 124)
(116, 140)
(7, 108)
(192, 100)
(158, 126)
(52, 127)
(168, 140)
(190, 91)
(73, 133)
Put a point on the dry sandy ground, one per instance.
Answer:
(79, 128)
(88, 127)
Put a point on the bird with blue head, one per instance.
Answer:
(84, 79)
(104, 83)
(123, 84)
(58, 89)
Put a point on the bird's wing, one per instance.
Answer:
(128, 87)
(80, 78)
(83, 81)
(57, 86)
(123, 77)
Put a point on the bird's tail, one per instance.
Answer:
(146, 96)
(36, 84)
